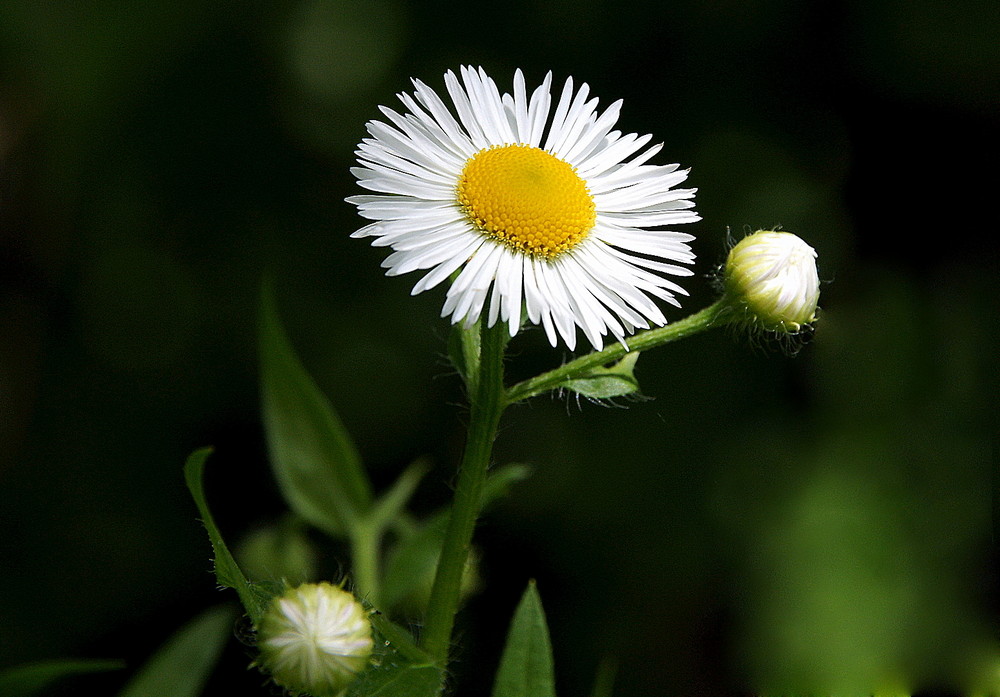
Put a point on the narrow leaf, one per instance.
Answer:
(182, 666)
(605, 383)
(254, 597)
(31, 678)
(314, 460)
(526, 665)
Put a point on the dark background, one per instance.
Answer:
(764, 521)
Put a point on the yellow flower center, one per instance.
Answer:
(526, 198)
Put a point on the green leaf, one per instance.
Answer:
(30, 678)
(391, 505)
(400, 668)
(182, 665)
(604, 681)
(255, 597)
(501, 479)
(410, 565)
(399, 680)
(412, 562)
(605, 383)
(278, 553)
(396, 639)
(526, 665)
(315, 462)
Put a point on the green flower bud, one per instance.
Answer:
(771, 276)
(314, 640)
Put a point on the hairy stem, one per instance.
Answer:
(488, 402)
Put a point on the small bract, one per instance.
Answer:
(315, 639)
(772, 276)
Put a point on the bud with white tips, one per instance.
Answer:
(314, 639)
(771, 276)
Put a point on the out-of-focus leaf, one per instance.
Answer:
(278, 553)
(605, 383)
(412, 562)
(391, 505)
(526, 665)
(604, 681)
(502, 479)
(314, 460)
(182, 665)
(30, 678)
(255, 597)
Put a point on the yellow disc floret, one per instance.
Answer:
(527, 199)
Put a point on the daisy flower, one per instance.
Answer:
(549, 212)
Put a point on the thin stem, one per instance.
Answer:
(488, 402)
(365, 541)
(699, 321)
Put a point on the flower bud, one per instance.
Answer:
(772, 277)
(314, 639)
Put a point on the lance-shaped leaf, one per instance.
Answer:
(526, 665)
(314, 460)
(182, 666)
(255, 597)
(605, 383)
(28, 679)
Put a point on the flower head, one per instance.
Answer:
(552, 209)
(772, 277)
(314, 639)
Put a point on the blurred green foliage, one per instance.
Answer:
(763, 522)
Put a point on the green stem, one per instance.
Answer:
(488, 402)
(699, 321)
(365, 542)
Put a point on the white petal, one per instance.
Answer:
(607, 284)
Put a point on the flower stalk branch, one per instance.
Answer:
(709, 317)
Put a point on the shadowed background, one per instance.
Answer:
(763, 521)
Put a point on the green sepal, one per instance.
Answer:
(27, 679)
(399, 667)
(526, 667)
(315, 462)
(181, 667)
(602, 382)
(254, 596)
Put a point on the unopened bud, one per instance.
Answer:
(771, 276)
(314, 639)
